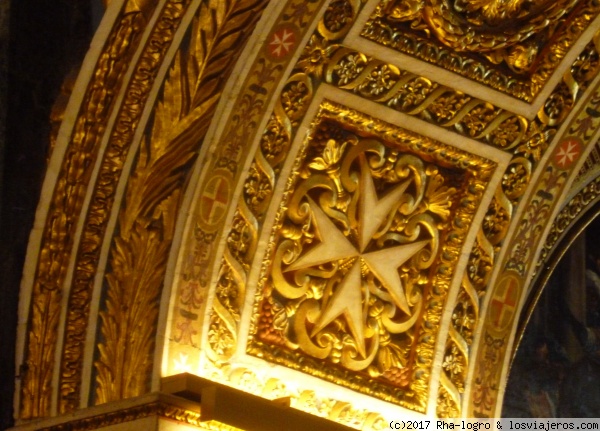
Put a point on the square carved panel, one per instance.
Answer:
(362, 254)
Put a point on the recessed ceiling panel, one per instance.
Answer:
(363, 252)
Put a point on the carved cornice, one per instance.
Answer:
(160, 409)
(156, 405)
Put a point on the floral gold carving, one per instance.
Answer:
(324, 60)
(428, 100)
(362, 255)
(148, 227)
(66, 203)
(139, 253)
(495, 225)
(275, 142)
(92, 235)
(512, 46)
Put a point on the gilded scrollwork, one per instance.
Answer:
(495, 225)
(567, 216)
(445, 107)
(512, 46)
(447, 404)
(415, 95)
(375, 345)
(290, 108)
(456, 354)
(325, 60)
(362, 254)
(479, 26)
(509, 288)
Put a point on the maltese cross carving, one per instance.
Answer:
(347, 300)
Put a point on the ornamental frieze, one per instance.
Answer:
(512, 46)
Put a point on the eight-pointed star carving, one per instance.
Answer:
(384, 263)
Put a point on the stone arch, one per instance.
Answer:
(190, 131)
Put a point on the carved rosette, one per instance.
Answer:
(362, 255)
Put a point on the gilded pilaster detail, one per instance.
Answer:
(324, 60)
(66, 204)
(139, 253)
(103, 197)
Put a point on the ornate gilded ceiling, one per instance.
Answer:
(513, 46)
(293, 198)
(363, 252)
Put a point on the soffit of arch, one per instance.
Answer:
(319, 121)
(575, 214)
(238, 270)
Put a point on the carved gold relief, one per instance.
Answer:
(512, 46)
(495, 225)
(362, 255)
(147, 221)
(415, 95)
(379, 81)
(591, 164)
(65, 207)
(290, 108)
(325, 60)
(258, 190)
(92, 235)
(567, 217)
(509, 289)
